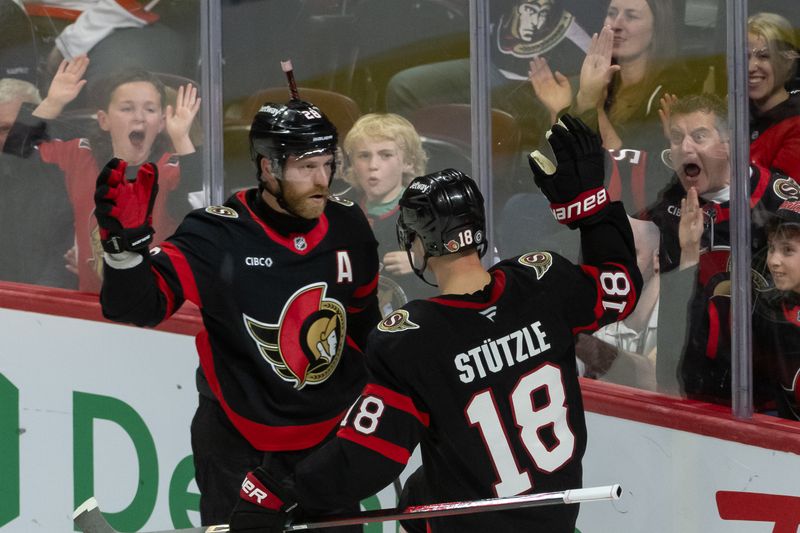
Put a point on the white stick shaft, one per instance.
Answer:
(609, 492)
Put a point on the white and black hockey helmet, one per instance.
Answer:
(445, 210)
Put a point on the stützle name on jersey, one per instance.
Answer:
(493, 355)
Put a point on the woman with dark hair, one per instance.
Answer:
(774, 111)
(630, 66)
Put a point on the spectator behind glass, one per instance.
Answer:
(520, 30)
(19, 56)
(624, 352)
(384, 153)
(776, 321)
(774, 112)
(130, 122)
(694, 218)
(118, 35)
(35, 216)
(630, 65)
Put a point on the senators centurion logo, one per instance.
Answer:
(539, 261)
(306, 344)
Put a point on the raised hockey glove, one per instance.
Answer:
(124, 209)
(262, 505)
(574, 186)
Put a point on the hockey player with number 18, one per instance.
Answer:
(484, 375)
(286, 281)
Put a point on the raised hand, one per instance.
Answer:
(179, 119)
(65, 87)
(666, 101)
(690, 229)
(575, 185)
(396, 263)
(552, 88)
(596, 71)
(124, 209)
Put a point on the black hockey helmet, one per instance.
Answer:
(296, 128)
(445, 209)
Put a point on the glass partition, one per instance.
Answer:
(78, 88)
(655, 84)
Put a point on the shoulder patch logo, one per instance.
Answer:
(222, 211)
(396, 322)
(341, 201)
(539, 261)
(787, 189)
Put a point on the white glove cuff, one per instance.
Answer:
(123, 260)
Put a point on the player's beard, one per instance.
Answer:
(308, 205)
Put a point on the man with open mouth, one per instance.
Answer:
(693, 215)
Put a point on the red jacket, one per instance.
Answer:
(775, 137)
(75, 158)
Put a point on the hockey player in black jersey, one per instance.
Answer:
(285, 278)
(483, 376)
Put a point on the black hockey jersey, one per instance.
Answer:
(285, 316)
(767, 191)
(487, 383)
(702, 362)
(776, 348)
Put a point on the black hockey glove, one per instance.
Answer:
(262, 507)
(574, 187)
(124, 209)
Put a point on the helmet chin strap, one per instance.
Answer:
(420, 272)
(278, 195)
(276, 169)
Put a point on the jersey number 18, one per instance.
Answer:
(482, 411)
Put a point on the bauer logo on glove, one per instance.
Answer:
(574, 184)
(124, 208)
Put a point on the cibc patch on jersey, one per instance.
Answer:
(396, 322)
(539, 261)
(306, 344)
(222, 211)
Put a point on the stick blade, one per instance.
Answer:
(88, 518)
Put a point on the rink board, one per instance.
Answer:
(106, 408)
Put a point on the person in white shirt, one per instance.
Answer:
(624, 352)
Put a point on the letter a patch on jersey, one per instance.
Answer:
(539, 261)
(396, 322)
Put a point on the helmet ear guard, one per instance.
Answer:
(445, 210)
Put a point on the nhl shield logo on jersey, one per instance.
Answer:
(787, 189)
(306, 344)
(222, 211)
(396, 322)
(300, 243)
(539, 261)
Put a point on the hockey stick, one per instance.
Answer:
(286, 66)
(88, 518)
